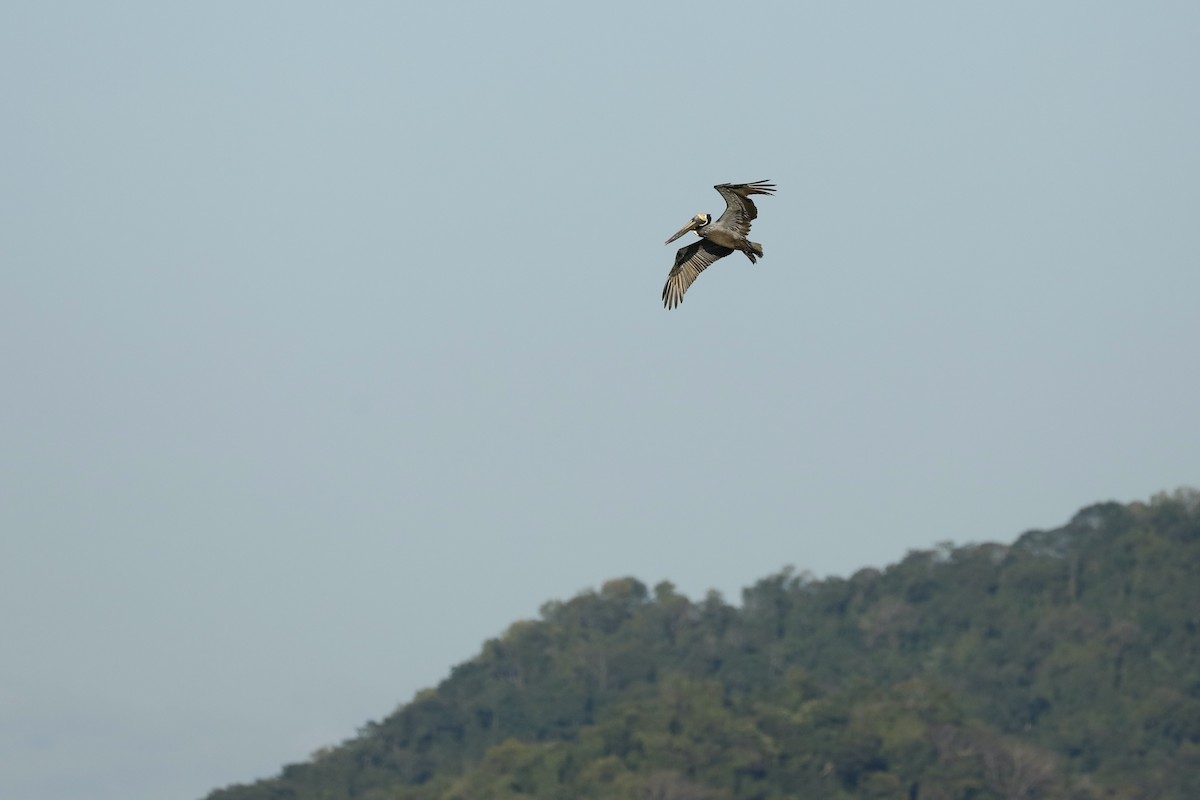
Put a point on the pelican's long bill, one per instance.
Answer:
(691, 226)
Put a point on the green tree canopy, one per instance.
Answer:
(1065, 665)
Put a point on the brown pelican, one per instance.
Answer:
(717, 239)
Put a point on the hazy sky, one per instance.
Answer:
(332, 340)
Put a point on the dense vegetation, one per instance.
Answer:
(1066, 665)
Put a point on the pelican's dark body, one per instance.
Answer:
(717, 239)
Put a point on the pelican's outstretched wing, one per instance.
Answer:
(740, 210)
(690, 261)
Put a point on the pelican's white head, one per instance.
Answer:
(693, 224)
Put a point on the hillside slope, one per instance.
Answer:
(1066, 665)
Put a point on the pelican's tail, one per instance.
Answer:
(753, 249)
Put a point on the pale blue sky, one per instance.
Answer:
(332, 340)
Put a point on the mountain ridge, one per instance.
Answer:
(1063, 665)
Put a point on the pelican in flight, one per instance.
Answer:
(717, 239)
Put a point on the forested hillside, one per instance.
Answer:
(1066, 665)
